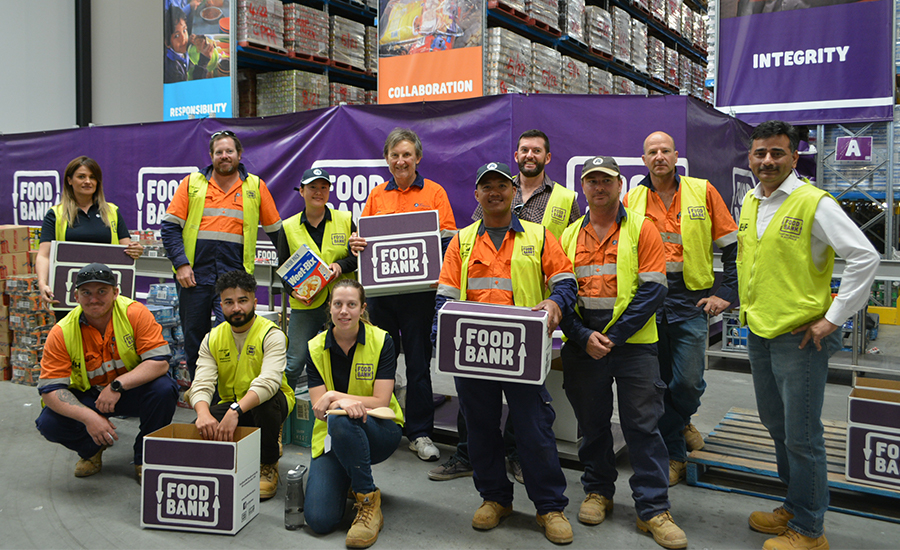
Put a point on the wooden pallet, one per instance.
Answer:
(307, 57)
(552, 31)
(739, 457)
(510, 11)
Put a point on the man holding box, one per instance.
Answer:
(244, 359)
(620, 264)
(107, 357)
(210, 229)
(788, 234)
(506, 261)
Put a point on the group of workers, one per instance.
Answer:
(630, 283)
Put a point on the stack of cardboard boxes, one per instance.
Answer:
(24, 322)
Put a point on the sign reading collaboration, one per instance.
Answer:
(196, 59)
(430, 50)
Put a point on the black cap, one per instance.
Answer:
(607, 165)
(495, 167)
(314, 174)
(95, 273)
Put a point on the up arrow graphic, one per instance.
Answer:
(522, 350)
(216, 506)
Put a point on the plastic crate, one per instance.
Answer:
(734, 336)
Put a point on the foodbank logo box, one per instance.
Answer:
(190, 484)
(505, 343)
(403, 253)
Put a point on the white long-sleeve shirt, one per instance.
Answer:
(831, 228)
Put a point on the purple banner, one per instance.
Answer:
(144, 163)
(822, 64)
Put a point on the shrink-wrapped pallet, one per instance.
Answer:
(598, 29)
(348, 42)
(546, 70)
(283, 92)
(621, 35)
(601, 82)
(507, 62)
(575, 76)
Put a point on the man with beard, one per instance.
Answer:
(247, 356)
(538, 199)
(210, 229)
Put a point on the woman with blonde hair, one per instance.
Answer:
(351, 370)
(82, 215)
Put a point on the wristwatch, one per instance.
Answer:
(236, 407)
(116, 386)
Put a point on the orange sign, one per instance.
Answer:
(430, 76)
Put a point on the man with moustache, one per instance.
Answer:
(210, 229)
(244, 359)
(690, 215)
(611, 335)
(538, 199)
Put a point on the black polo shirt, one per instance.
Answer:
(88, 228)
(341, 362)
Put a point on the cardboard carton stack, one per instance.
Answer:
(575, 76)
(16, 243)
(571, 19)
(305, 30)
(372, 49)
(598, 29)
(506, 63)
(344, 94)
(544, 11)
(282, 92)
(348, 42)
(601, 81)
(261, 23)
(546, 70)
(5, 335)
(30, 323)
(621, 46)
(656, 58)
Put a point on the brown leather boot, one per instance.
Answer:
(369, 521)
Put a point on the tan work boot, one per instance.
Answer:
(556, 527)
(138, 472)
(792, 540)
(268, 480)
(693, 439)
(594, 509)
(489, 514)
(89, 466)
(771, 523)
(677, 472)
(664, 531)
(368, 522)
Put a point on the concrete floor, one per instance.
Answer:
(42, 505)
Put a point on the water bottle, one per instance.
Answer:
(293, 498)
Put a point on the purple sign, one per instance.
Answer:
(873, 457)
(67, 258)
(403, 252)
(492, 342)
(823, 64)
(144, 163)
(853, 149)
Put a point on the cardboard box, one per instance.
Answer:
(491, 342)
(403, 253)
(305, 272)
(14, 264)
(5, 369)
(67, 258)
(873, 433)
(190, 484)
(302, 421)
(14, 238)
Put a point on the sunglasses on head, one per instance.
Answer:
(226, 133)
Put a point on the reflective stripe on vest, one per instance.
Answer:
(526, 277)
(237, 373)
(779, 286)
(334, 247)
(558, 210)
(627, 275)
(62, 224)
(123, 331)
(197, 210)
(696, 231)
(362, 376)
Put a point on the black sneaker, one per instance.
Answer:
(451, 469)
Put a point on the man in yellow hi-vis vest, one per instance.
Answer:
(788, 235)
(210, 228)
(620, 264)
(690, 215)
(107, 357)
(244, 360)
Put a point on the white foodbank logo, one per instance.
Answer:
(352, 180)
(34, 192)
(156, 187)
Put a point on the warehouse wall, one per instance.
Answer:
(38, 92)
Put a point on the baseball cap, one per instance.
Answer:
(607, 165)
(496, 167)
(314, 174)
(95, 273)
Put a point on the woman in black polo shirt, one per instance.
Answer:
(82, 215)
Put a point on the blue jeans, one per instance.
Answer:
(682, 348)
(533, 416)
(355, 446)
(304, 325)
(153, 402)
(790, 389)
(588, 385)
(408, 318)
(196, 306)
